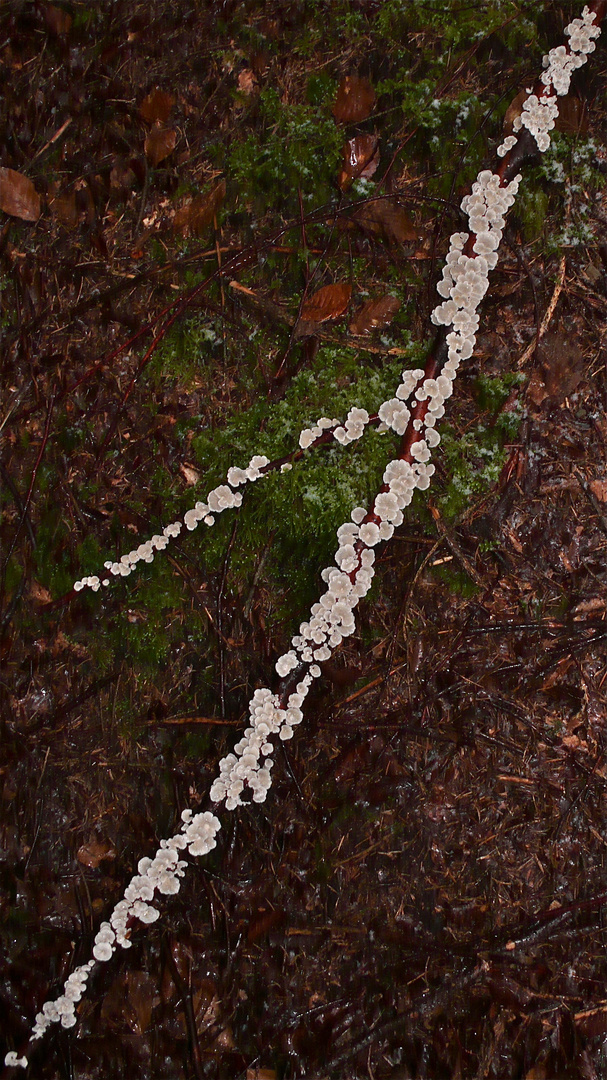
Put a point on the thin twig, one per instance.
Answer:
(220, 596)
(545, 323)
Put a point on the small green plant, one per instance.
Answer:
(294, 147)
(474, 458)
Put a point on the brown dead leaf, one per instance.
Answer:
(59, 22)
(142, 996)
(599, 489)
(360, 158)
(261, 1074)
(592, 1022)
(573, 116)
(130, 1001)
(64, 209)
(375, 315)
(93, 853)
(355, 100)
(514, 109)
(39, 593)
(594, 604)
(122, 179)
(387, 219)
(156, 106)
(193, 218)
(247, 82)
(562, 364)
(189, 473)
(327, 303)
(262, 922)
(537, 1072)
(536, 389)
(18, 196)
(159, 143)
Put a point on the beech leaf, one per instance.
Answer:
(195, 216)
(375, 315)
(64, 209)
(18, 196)
(360, 158)
(355, 100)
(156, 106)
(159, 143)
(386, 218)
(94, 853)
(327, 303)
(189, 473)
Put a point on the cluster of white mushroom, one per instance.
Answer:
(559, 66)
(354, 426)
(393, 414)
(465, 278)
(224, 496)
(332, 618)
(220, 498)
(251, 763)
(539, 117)
(582, 31)
(539, 113)
(63, 1009)
(463, 285)
(560, 63)
(160, 874)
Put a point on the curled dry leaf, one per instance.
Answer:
(193, 218)
(159, 143)
(156, 106)
(18, 196)
(355, 100)
(328, 303)
(189, 473)
(375, 315)
(360, 159)
(247, 82)
(387, 219)
(94, 853)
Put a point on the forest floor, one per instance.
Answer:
(423, 893)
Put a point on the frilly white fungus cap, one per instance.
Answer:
(538, 116)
